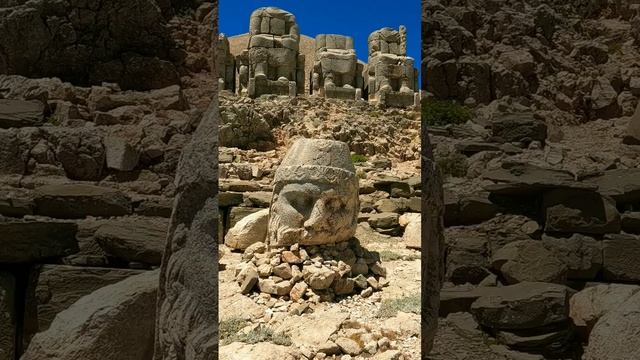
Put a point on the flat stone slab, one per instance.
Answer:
(525, 179)
(75, 201)
(526, 305)
(623, 185)
(21, 113)
(34, 241)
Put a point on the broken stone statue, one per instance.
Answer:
(336, 70)
(315, 195)
(272, 63)
(225, 64)
(390, 76)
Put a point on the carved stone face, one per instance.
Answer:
(315, 199)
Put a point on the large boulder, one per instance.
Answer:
(20, 113)
(137, 239)
(59, 286)
(114, 322)
(68, 41)
(529, 260)
(578, 211)
(526, 305)
(589, 305)
(615, 335)
(250, 230)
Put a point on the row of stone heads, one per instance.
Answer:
(272, 63)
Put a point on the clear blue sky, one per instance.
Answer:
(355, 18)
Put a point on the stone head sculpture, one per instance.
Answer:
(315, 195)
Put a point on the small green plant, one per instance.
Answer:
(230, 328)
(444, 112)
(453, 164)
(357, 158)
(390, 308)
(54, 120)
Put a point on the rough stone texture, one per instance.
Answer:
(336, 71)
(412, 234)
(518, 128)
(582, 255)
(72, 201)
(137, 239)
(32, 241)
(99, 326)
(250, 230)
(526, 179)
(272, 64)
(59, 286)
(580, 212)
(621, 258)
(433, 248)
(390, 77)
(226, 65)
(8, 316)
(615, 335)
(623, 185)
(529, 260)
(120, 153)
(633, 129)
(523, 306)
(589, 305)
(187, 312)
(20, 113)
(65, 41)
(259, 351)
(315, 195)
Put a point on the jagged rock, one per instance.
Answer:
(20, 113)
(582, 255)
(525, 179)
(633, 129)
(59, 286)
(134, 239)
(99, 326)
(33, 241)
(237, 213)
(623, 185)
(615, 335)
(529, 260)
(71, 201)
(8, 315)
(518, 128)
(318, 278)
(349, 346)
(605, 99)
(589, 305)
(467, 260)
(81, 154)
(14, 152)
(525, 305)
(249, 230)
(621, 254)
(575, 211)
(120, 154)
(412, 236)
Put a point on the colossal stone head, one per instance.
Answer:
(315, 195)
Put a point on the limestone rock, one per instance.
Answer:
(519, 128)
(615, 335)
(120, 154)
(259, 351)
(580, 212)
(621, 254)
(582, 255)
(134, 239)
(529, 260)
(412, 236)
(33, 241)
(71, 201)
(59, 286)
(523, 306)
(250, 230)
(633, 129)
(99, 326)
(20, 113)
(591, 304)
(623, 185)
(315, 197)
(318, 278)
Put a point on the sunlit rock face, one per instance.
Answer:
(315, 195)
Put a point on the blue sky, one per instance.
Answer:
(355, 18)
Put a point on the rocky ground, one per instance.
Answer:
(533, 106)
(378, 319)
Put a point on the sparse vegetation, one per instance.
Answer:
(54, 120)
(230, 331)
(386, 255)
(357, 158)
(390, 308)
(444, 112)
(453, 164)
